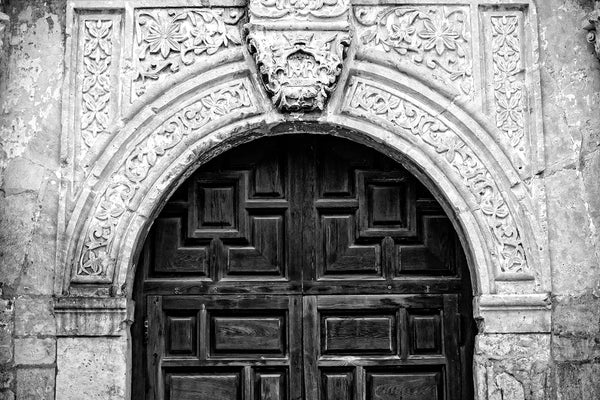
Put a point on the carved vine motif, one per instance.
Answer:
(368, 99)
(95, 260)
(509, 84)
(299, 71)
(95, 87)
(436, 37)
(298, 8)
(166, 40)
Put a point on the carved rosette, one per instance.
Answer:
(299, 49)
(592, 27)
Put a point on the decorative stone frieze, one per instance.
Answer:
(366, 99)
(434, 38)
(168, 40)
(299, 63)
(593, 26)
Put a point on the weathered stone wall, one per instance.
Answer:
(30, 126)
(571, 94)
(31, 79)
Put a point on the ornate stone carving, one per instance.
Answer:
(94, 262)
(593, 26)
(365, 99)
(299, 47)
(167, 40)
(96, 83)
(508, 79)
(435, 37)
(299, 70)
(298, 8)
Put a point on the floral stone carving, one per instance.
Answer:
(167, 40)
(299, 70)
(435, 37)
(366, 99)
(298, 8)
(96, 84)
(94, 263)
(593, 26)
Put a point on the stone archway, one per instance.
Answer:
(164, 133)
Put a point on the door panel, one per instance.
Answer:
(301, 268)
(381, 347)
(225, 347)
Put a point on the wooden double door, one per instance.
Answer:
(302, 267)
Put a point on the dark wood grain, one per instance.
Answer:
(303, 268)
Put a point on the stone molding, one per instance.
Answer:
(514, 313)
(89, 316)
(4, 33)
(593, 28)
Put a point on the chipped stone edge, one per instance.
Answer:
(88, 316)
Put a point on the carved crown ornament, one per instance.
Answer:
(593, 26)
(299, 49)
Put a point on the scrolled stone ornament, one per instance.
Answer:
(592, 27)
(299, 70)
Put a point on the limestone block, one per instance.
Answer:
(35, 351)
(512, 366)
(6, 379)
(85, 360)
(35, 383)
(578, 381)
(34, 316)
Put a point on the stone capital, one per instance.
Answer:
(593, 26)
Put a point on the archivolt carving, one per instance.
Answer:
(436, 37)
(367, 99)
(94, 263)
(299, 70)
(166, 40)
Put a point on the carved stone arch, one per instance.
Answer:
(175, 134)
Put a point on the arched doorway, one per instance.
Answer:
(302, 267)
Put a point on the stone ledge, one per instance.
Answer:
(78, 316)
(525, 313)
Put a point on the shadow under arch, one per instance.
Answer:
(309, 131)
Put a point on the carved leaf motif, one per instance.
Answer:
(435, 37)
(95, 85)
(509, 88)
(366, 99)
(168, 40)
(94, 260)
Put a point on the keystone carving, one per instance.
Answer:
(299, 48)
(592, 27)
(299, 70)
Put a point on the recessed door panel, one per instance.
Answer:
(302, 268)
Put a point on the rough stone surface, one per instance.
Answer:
(91, 368)
(41, 179)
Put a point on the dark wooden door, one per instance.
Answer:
(303, 267)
